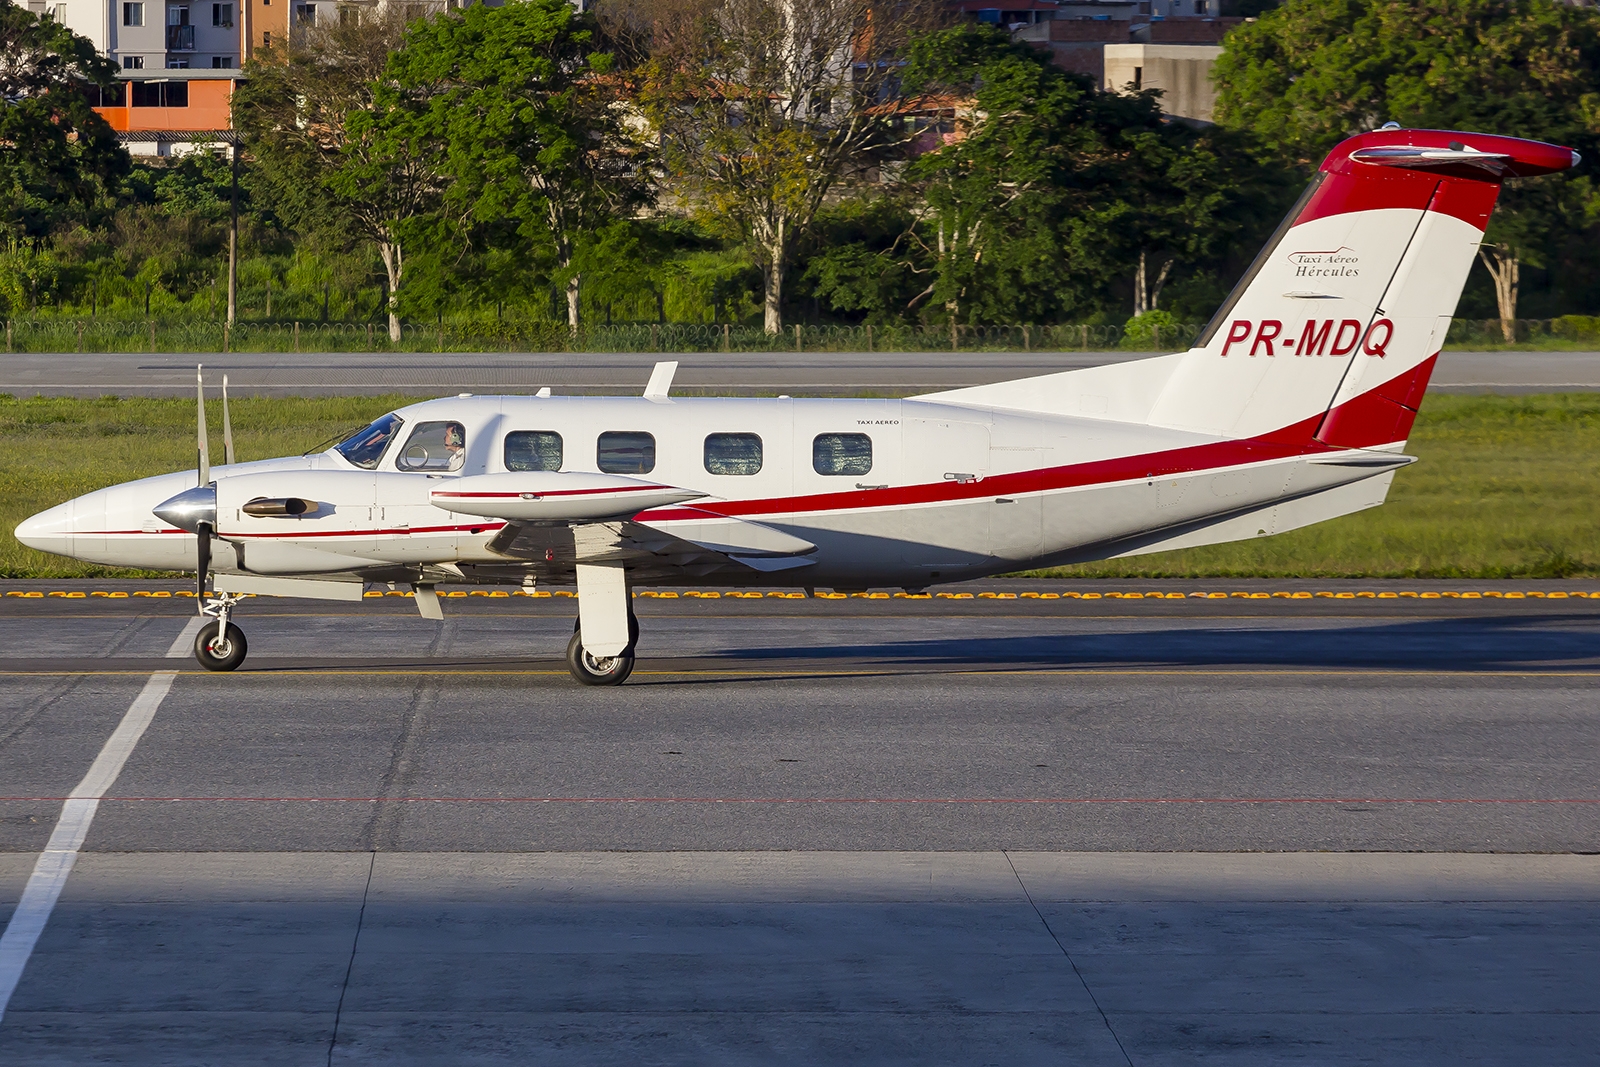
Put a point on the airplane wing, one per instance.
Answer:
(559, 519)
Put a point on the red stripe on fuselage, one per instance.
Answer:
(1362, 426)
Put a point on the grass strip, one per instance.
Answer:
(1507, 486)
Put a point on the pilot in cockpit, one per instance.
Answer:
(455, 447)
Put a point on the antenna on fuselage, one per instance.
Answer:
(661, 380)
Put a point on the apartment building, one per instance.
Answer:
(1169, 45)
(149, 35)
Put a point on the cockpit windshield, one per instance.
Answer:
(365, 447)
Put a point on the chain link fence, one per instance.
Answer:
(112, 335)
(1574, 331)
(106, 335)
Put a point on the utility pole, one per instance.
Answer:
(233, 234)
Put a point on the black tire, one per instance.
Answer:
(220, 656)
(589, 670)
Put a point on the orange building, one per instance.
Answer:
(266, 23)
(156, 111)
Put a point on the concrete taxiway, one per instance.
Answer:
(1007, 829)
(737, 373)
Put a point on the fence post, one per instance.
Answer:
(798, 345)
(152, 324)
(869, 337)
(441, 333)
(1085, 330)
(1027, 342)
(655, 337)
(80, 335)
(297, 335)
(8, 335)
(953, 329)
(369, 337)
(1155, 337)
(725, 339)
(226, 338)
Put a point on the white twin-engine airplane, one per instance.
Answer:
(1293, 408)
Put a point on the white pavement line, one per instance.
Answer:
(183, 644)
(60, 854)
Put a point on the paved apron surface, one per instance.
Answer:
(985, 831)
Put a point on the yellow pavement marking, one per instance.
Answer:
(1071, 594)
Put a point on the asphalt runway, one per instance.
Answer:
(737, 373)
(1345, 828)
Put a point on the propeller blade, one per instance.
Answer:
(205, 450)
(202, 540)
(227, 426)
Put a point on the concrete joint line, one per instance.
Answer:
(55, 863)
(355, 943)
(1070, 961)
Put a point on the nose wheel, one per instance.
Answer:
(220, 645)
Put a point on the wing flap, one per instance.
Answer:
(725, 534)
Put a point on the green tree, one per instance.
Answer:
(330, 156)
(1054, 188)
(524, 124)
(769, 108)
(1312, 72)
(58, 158)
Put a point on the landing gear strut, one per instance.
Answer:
(605, 615)
(220, 645)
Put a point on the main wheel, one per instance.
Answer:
(220, 651)
(597, 670)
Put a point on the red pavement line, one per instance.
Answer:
(834, 800)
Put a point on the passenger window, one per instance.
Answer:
(434, 446)
(627, 452)
(733, 453)
(841, 453)
(533, 450)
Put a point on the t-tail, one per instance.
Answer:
(1335, 329)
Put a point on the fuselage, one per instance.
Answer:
(890, 492)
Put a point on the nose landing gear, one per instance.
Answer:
(220, 646)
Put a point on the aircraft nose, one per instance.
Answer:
(49, 531)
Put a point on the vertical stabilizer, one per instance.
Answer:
(1333, 332)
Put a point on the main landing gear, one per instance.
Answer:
(220, 645)
(601, 649)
